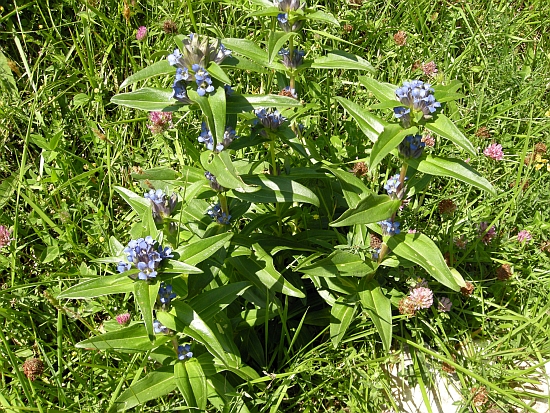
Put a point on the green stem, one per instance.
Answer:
(223, 203)
(291, 52)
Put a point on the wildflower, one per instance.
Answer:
(169, 27)
(412, 231)
(480, 396)
(292, 62)
(389, 227)
(524, 236)
(406, 307)
(360, 169)
(288, 92)
(421, 297)
(411, 146)
(141, 33)
(218, 215)
(165, 295)
(206, 137)
(158, 328)
(159, 121)
(444, 304)
(428, 140)
(162, 206)
(483, 132)
(488, 235)
(123, 319)
(270, 119)
(142, 254)
(285, 22)
(33, 368)
(504, 272)
(429, 69)
(393, 187)
(416, 96)
(540, 148)
(5, 236)
(400, 38)
(184, 352)
(468, 289)
(213, 182)
(494, 151)
(446, 207)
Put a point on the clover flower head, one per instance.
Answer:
(444, 304)
(390, 227)
(184, 352)
(5, 236)
(288, 92)
(292, 62)
(524, 236)
(392, 187)
(218, 215)
(213, 182)
(141, 33)
(158, 328)
(491, 233)
(142, 254)
(412, 146)
(270, 119)
(159, 121)
(494, 151)
(418, 96)
(123, 319)
(162, 206)
(165, 294)
(421, 297)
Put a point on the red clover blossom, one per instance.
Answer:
(494, 151)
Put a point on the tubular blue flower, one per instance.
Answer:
(206, 137)
(143, 255)
(392, 187)
(285, 22)
(184, 352)
(213, 182)
(158, 328)
(218, 215)
(412, 146)
(389, 227)
(416, 96)
(296, 60)
(162, 206)
(203, 80)
(165, 295)
(283, 18)
(270, 119)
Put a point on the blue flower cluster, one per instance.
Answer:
(418, 96)
(390, 227)
(203, 80)
(213, 182)
(285, 6)
(218, 215)
(165, 295)
(206, 137)
(392, 187)
(158, 328)
(292, 62)
(146, 258)
(412, 146)
(184, 352)
(271, 119)
(162, 206)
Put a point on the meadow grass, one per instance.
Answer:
(65, 146)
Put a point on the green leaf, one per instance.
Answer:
(220, 165)
(454, 168)
(179, 267)
(246, 103)
(209, 303)
(156, 384)
(378, 307)
(373, 208)
(130, 339)
(146, 295)
(137, 202)
(191, 381)
(161, 67)
(148, 99)
(161, 173)
(7, 81)
(218, 107)
(338, 59)
(322, 17)
(382, 91)
(266, 11)
(218, 73)
(260, 271)
(352, 187)
(421, 250)
(200, 250)
(271, 189)
(342, 314)
(252, 51)
(276, 42)
(388, 140)
(443, 126)
(371, 125)
(106, 285)
(340, 263)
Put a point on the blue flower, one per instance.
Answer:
(184, 352)
(296, 60)
(165, 295)
(282, 17)
(206, 137)
(203, 80)
(162, 206)
(213, 182)
(218, 215)
(143, 255)
(416, 95)
(270, 119)
(411, 146)
(158, 328)
(389, 227)
(392, 187)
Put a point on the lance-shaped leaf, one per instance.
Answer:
(382, 91)
(322, 16)
(220, 165)
(352, 187)
(159, 68)
(218, 73)
(342, 314)
(388, 140)
(200, 250)
(378, 307)
(148, 99)
(146, 295)
(156, 384)
(191, 382)
(247, 103)
(109, 284)
(209, 303)
(371, 125)
(137, 202)
(129, 339)
(445, 127)
(271, 189)
(276, 42)
(338, 59)
(340, 263)
(421, 250)
(252, 51)
(373, 208)
(218, 106)
(454, 168)
(178, 267)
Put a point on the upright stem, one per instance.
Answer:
(223, 203)
(291, 53)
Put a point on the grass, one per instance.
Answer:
(65, 147)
